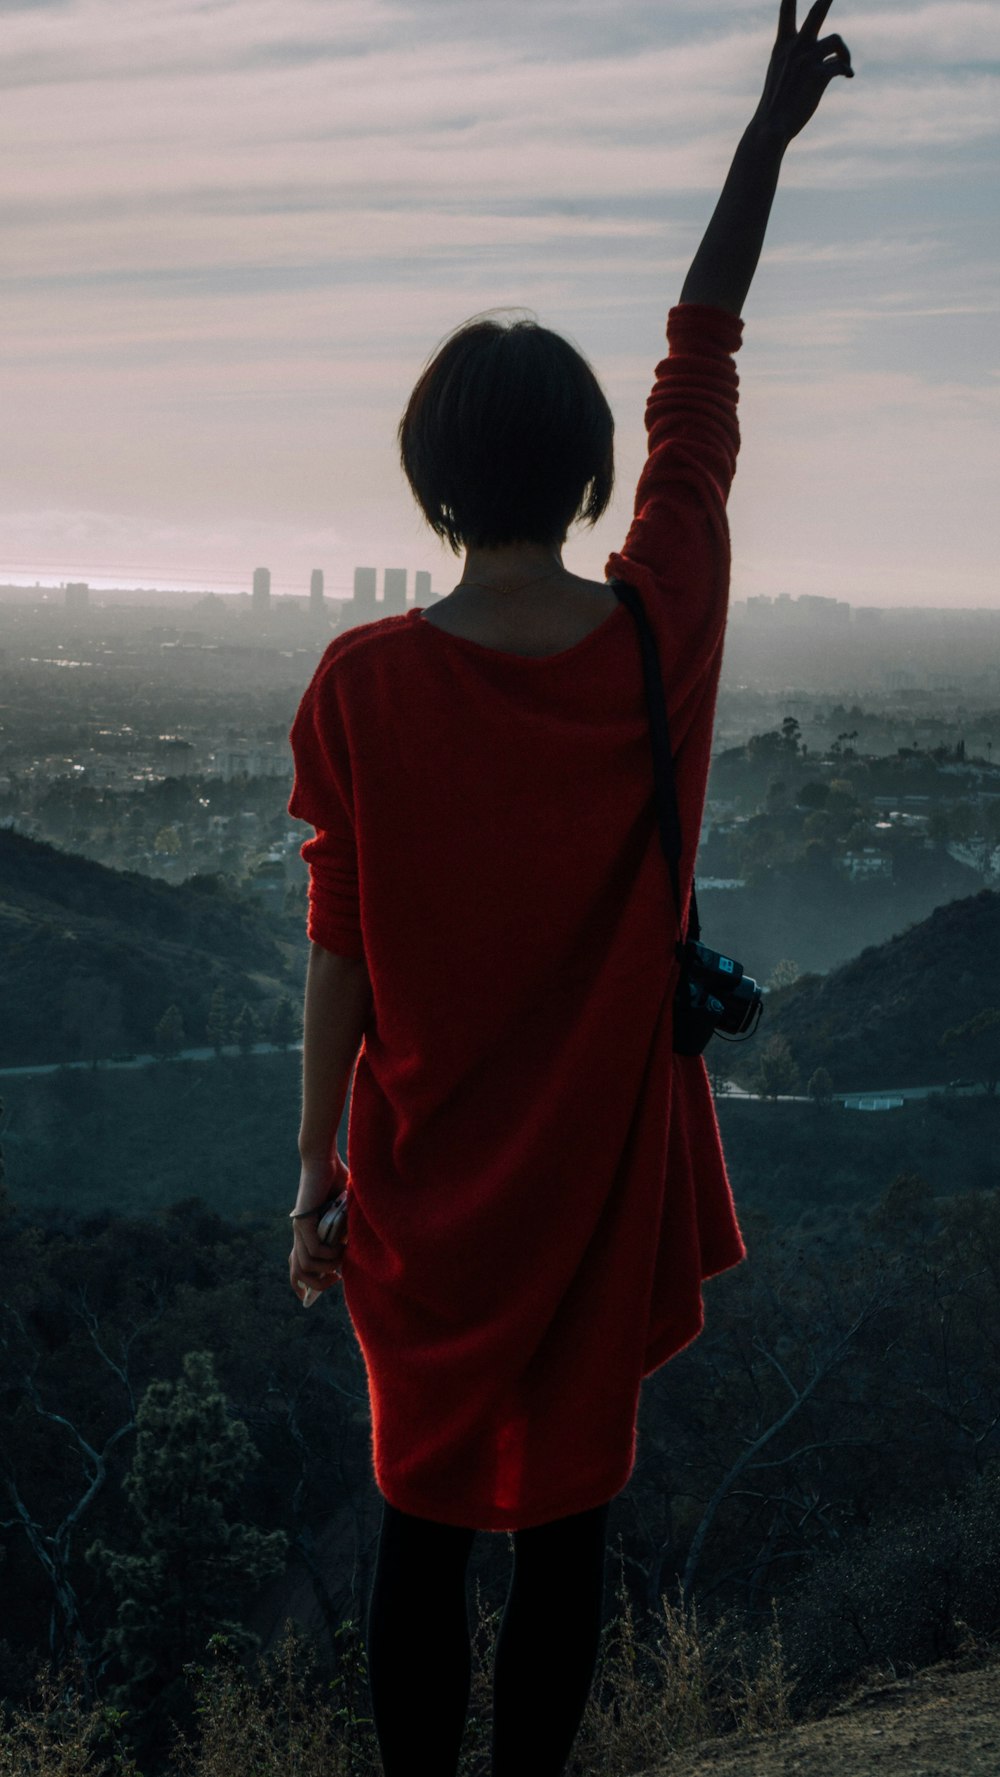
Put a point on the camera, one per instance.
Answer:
(714, 997)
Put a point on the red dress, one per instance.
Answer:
(536, 1182)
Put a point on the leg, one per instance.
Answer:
(547, 1645)
(419, 1653)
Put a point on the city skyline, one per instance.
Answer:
(228, 260)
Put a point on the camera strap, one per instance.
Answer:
(663, 764)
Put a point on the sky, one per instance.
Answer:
(234, 231)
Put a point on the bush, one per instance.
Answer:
(899, 1596)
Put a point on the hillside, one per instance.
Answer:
(87, 952)
(942, 1720)
(822, 920)
(877, 1020)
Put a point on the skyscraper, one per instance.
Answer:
(394, 593)
(317, 603)
(363, 606)
(261, 589)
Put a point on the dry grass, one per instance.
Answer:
(652, 1696)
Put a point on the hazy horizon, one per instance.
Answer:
(235, 234)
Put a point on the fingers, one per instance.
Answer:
(303, 1280)
(786, 20)
(836, 46)
(815, 18)
(313, 1263)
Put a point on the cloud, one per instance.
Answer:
(237, 227)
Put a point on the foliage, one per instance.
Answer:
(248, 1029)
(820, 1087)
(169, 1033)
(900, 1593)
(978, 1042)
(776, 1072)
(195, 1565)
(112, 948)
(873, 1022)
(217, 1023)
(784, 973)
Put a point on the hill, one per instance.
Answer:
(942, 1719)
(877, 1020)
(91, 954)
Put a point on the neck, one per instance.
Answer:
(509, 565)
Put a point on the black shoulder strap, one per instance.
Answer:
(663, 764)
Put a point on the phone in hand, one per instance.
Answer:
(332, 1230)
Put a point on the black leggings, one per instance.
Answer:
(420, 1654)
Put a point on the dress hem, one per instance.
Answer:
(488, 1517)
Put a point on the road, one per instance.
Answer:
(729, 1091)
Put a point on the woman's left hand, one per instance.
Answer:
(312, 1264)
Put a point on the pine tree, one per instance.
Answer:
(777, 1073)
(283, 1024)
(169, 1034)
(820, 1088)
(247, 1028)
(195, 1564)
(217, 1023)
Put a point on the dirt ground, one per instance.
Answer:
(942, 1722)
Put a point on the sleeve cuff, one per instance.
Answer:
(699, 328)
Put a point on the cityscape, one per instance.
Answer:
(149, 730)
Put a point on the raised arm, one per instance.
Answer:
(801, 68)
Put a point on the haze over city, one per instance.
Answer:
(234, 235)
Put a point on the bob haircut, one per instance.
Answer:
(507, 437)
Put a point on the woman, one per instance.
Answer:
(536, 1189)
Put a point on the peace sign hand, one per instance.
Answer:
(801, 68)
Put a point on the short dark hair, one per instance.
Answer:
(507, 437)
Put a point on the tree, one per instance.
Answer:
(813, 794)
(167, 841)
(169, 1034)
(978, 1043)
(247, 1028)
(820, 1088)
(283, 1026)
(196, 1564)
(218, 1021)
(791, 734)
(717, 1065)
(84, 1462)
(906, 1203)
(766, 748)
(777, 1071)
(92, 1016)
(784, 974)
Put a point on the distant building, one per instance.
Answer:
(77, 595)
(364, 609)
(268, 760)
(832, 613)
(760, 609)
(317, 603)
(868, 862)
(261, 589)
(809, 608)
(394, 593)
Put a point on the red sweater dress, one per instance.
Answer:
(536, 1183)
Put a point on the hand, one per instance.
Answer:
(801, 68)
(312, 1264)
